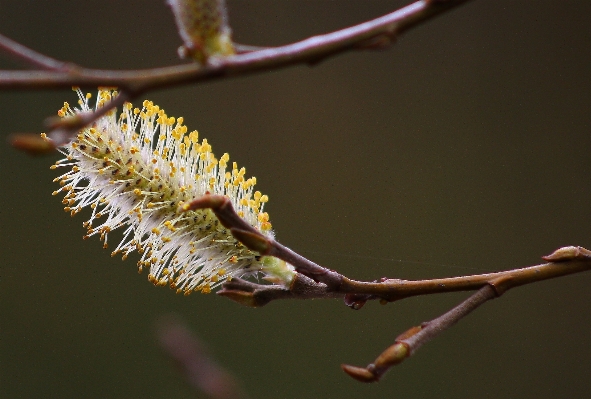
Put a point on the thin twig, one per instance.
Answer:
(408, 342)
(33, 58)
(315, 281)
(63, 129)
(562, 262)
(255, 295)
(309, 51)
(198, 368)
(254, 240)
(377, 33)
(306, 288)
(405, 345)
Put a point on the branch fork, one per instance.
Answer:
(315, 281)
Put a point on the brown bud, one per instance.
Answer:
(394, 354)
(253, 241)
(31, 143)
(241, 297)
(359, 373)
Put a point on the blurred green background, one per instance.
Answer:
(462, 149)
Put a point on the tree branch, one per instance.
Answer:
(315, 281)
(564, 261)
(376, 33)
(53, 74)
(63, 129)
(408, 342)
(33, 58)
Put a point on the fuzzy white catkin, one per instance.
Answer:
(133, 170)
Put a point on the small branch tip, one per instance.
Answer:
(568, 253)
(242, 297)
(359, 373)
(32, 144)
(212, 202)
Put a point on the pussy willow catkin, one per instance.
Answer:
(135, 169)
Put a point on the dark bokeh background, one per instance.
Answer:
(463, 148)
